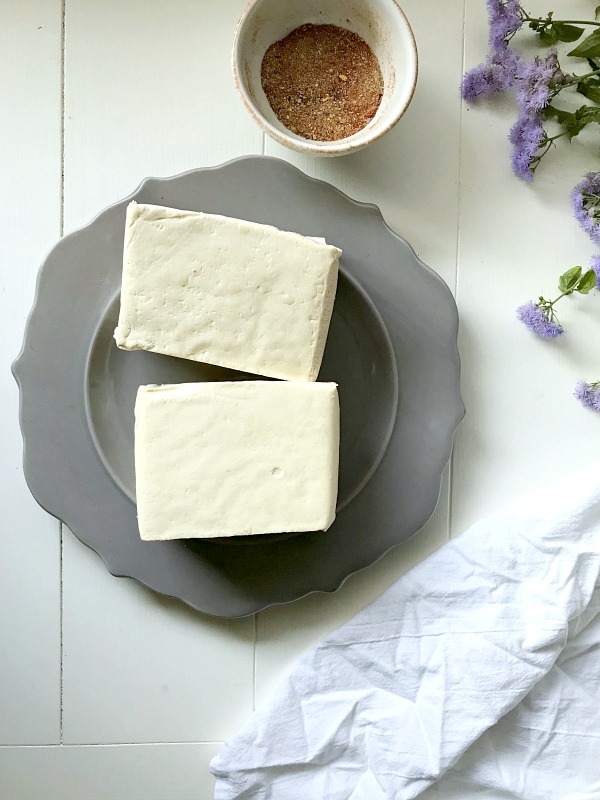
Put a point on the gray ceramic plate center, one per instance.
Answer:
(358, 357)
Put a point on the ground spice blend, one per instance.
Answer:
(323, 82)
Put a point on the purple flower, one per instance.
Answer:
(504, 62)
(535, 79)
(505, 19)
(526, 136)
(497, 73)
(477, 82)
(595, 265)
(588, 394)
(492, 77)
(537, 320)
(586, 205)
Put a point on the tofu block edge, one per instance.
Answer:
(236, 458)
(226, 291)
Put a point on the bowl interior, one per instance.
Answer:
(381, 24)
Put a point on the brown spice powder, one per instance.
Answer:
(323, 82)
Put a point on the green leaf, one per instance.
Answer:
(568, 120)
(587, 114)
(593, 64)
(587, 282)
(590, 90)
(596, 12)
(549, 36)
(568, 280)
(567, 33)
(564, 117)
(573, 123)
(589, 48)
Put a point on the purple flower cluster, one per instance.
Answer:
(505, 19)
(526, 136)
(595, 265)
(535, 80)
(492, 77)
(588, 394)
(497, 73)
(586, 205)
(537, 321)
(535, 84)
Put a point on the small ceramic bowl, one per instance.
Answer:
(381, 23)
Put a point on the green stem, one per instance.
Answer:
(551, 139)
(564, 294)
(527, 18)
(580, 78)
(547, 144)
(577, 21)
(535, 161)
(575, 80)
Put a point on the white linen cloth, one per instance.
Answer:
(477, 674)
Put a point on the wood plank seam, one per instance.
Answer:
(62, 228)
(457, 256)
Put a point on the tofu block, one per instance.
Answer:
(225, 291)
(233, 458)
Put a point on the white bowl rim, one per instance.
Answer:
(313, 146)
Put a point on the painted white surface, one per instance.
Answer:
(138, 667)
(148, 92)
(115, 772)
(30, 159)
(150, 685)
(523, 424)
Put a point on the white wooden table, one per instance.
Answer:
(108, 692)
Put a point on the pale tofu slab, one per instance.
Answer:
(225, 291)
(235, 458)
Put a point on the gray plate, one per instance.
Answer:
(391, 349)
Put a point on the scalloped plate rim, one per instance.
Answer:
(371, 208)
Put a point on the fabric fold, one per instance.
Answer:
(389, 703)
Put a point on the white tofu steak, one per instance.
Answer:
(225, 291)
(236, 458)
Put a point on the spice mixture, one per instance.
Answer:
(323, 82)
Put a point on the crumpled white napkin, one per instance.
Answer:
(477, 674)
